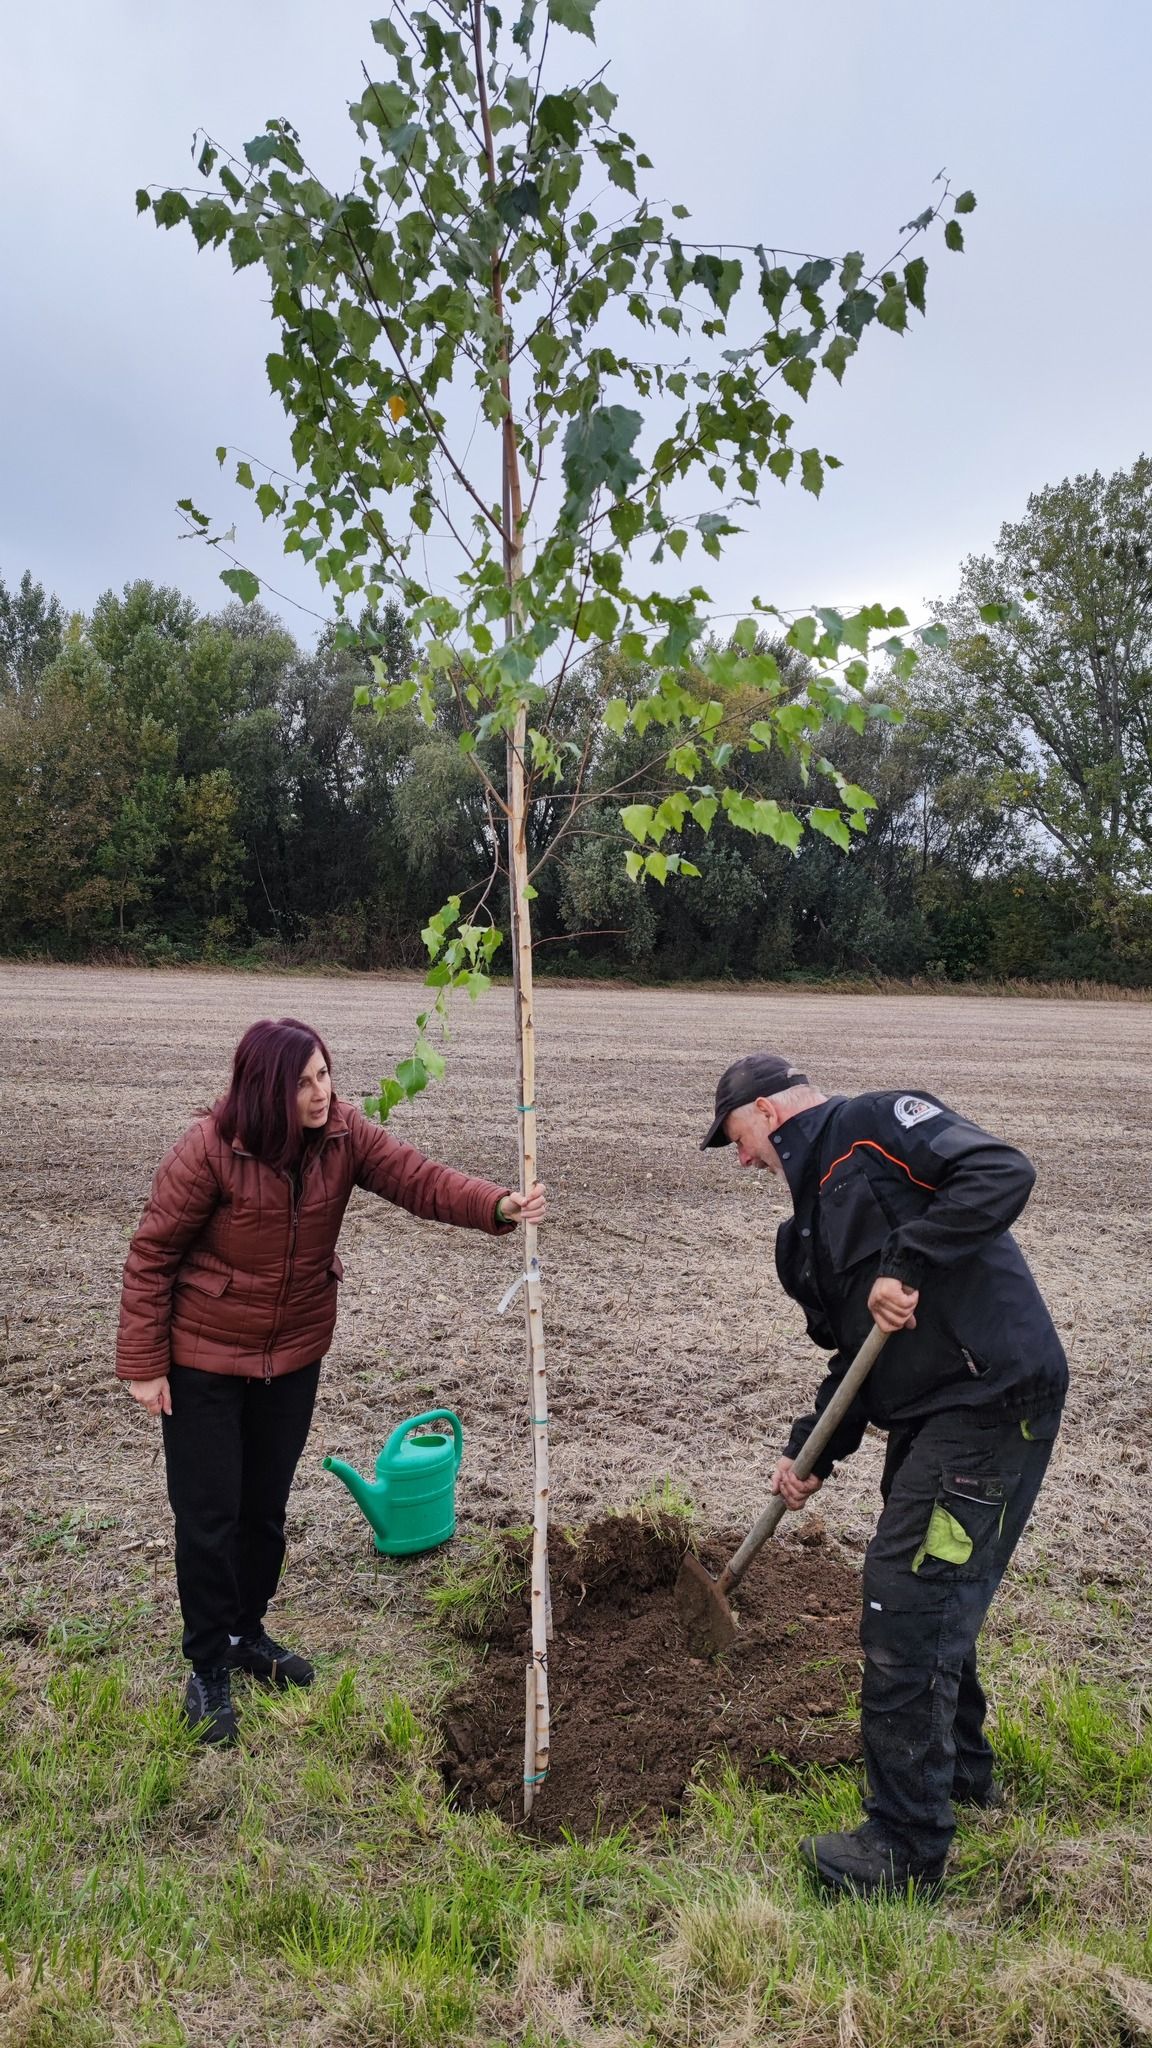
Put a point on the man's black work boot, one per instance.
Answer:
(868, 1861)
(270, 1661)
(208, 1705)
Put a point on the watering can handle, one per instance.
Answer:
(806, 1457)
(404, 1429)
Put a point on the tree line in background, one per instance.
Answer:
(176, 786)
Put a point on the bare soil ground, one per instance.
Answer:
(672, 1350)
(633, 1713)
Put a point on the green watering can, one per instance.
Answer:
(411, 1503)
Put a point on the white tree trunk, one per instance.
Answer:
(536, 1740)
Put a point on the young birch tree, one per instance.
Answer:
(518, 393)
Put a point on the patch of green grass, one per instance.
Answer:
(473, 1589)
(317, 1885)
(667, 1501)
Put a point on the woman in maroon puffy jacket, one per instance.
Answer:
(228, 1306)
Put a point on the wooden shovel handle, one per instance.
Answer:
(820, 1435)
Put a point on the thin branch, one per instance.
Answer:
(437, 435)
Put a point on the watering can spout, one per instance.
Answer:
(369, 1494)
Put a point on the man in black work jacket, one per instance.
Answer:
(901, 1215)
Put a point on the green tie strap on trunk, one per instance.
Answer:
(946, 1539)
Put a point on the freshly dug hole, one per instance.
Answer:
(632, 1712)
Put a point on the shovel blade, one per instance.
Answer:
(709, 1622)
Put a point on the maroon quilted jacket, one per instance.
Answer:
(234, 1269)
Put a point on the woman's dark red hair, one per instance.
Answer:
(260, 1106)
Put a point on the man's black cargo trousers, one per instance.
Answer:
(958, 1489)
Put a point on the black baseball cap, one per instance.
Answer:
(760, 1073)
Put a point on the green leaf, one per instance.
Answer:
(244, 476)
(575, 15)
(637, 819)
(915, 278)
(704, 810)
(261, 150)
(812, 471)
(599, 618)
(268, 500)
(656, 865)
(855, 312)
(780, 463)
(244, 246)
(170, 208)
(616, 715)
(835, 356)
(634, 863)
(720, 280)
(243, 582)
(965, 203)
(598, 452)
(519, 202)
(412, 1075)
(832, 825)
(556, 116)
(143, 202)
(798, 373)
(221, 456)
(893, 308)
(953, 235)
(389, 37)
(775, 285)
(857, 799)
(813, 275)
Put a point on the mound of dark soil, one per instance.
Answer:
(633, 1713)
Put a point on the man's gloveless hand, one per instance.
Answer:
(795, 1491)
(893, 1306)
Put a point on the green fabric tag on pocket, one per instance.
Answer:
(946, 1539)
(1026, 1432)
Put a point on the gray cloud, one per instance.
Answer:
(125, 358)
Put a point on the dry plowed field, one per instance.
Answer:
(672, 1351)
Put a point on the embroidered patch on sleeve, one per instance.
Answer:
(912, 1109)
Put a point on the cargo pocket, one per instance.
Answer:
(901, 1618)
(855, 1226)
(964, 1526)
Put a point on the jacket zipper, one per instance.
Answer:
(286, 1289)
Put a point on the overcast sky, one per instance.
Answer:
(125, 357)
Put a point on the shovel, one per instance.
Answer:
(701, 1601)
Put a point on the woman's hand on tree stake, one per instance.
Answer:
(154, 1395)
(796, 1491)
(529, 1208)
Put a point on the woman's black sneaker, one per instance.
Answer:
(270, 1661)
(208, 1705)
